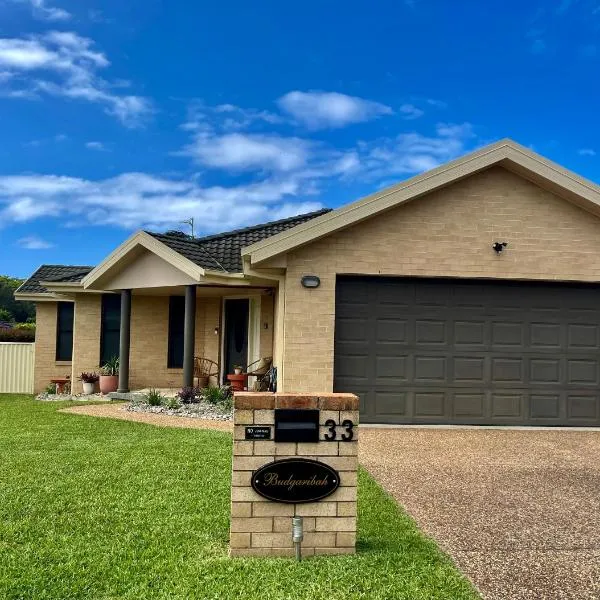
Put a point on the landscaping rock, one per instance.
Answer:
(200, 410)
(46, 397)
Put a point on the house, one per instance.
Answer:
(468, 294)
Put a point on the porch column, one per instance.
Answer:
(189, 335)
(124, 341)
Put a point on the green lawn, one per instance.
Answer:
(95, 508)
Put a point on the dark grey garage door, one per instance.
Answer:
(469, 352)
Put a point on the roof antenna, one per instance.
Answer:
(190, 222)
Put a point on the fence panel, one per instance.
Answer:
(16, 367)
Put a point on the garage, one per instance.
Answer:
(453, 351)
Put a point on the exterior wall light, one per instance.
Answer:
(310, 281)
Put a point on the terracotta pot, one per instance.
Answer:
(109, 383)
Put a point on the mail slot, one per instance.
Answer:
(296, 425)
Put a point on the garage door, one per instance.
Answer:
(469, 352)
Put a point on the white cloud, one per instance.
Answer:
(33, 242)
(410, 111)
(586, 152)
(322, 110)
(96, 146)
(62, 63)
(413, 152)
(41, 10)
(243, 152)
(136, 200)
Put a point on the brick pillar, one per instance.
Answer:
(260, 527)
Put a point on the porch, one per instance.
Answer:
(159, 332)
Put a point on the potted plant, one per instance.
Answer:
(89, 381)
(238, 369)
(109, 376)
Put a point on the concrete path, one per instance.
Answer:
(117, 411)
(518, 511)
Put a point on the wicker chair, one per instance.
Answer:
(260, 369)
(204, 369)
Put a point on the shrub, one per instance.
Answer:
(25, 326)
(217, 395)
(50, 388)
(17, 335)
(189, 394)
(154, 398)
(111, 367)
(172, 403)
(89, 377)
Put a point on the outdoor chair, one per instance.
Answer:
(204, 369)
(260, 369)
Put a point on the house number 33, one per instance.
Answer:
(348, 434)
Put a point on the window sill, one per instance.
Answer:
(63, 362)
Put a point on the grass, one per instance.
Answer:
(104, 509)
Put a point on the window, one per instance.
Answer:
(64, 330)
(176, 327)
(110, 326)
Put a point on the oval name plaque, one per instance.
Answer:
(295, 480)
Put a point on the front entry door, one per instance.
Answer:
(236, 333)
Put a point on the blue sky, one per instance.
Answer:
(117, 116)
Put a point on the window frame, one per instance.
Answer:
(106, 299)
(176, 303)
(62, 331)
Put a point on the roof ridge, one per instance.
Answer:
(223, 234)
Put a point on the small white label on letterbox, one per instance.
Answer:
(258, 433)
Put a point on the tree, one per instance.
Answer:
(16, 311)
(5, 315)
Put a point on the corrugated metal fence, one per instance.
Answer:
(16, 367)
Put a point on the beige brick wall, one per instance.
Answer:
(260, 527)
(86, 336)
(447, 233)
(46, 367)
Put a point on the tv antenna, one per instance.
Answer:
(189, 222)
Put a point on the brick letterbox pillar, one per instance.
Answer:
(263, 527)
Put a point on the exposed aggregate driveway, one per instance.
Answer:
(517, 510)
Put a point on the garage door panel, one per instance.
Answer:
(430, 369)
(544, 406)
(392, 370)
(456, 351)
(582, 372)
(430, 404)
(507, 334)
(470, 333)
(469, 405)
(430, 332)
(391, 404)
(507, 405)
(582, 336)
(544, 371)
(507, 370)
(392, 330)
(546, 336)
(583, 408)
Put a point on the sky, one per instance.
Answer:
(119, 116)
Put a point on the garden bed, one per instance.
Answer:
(199, 410)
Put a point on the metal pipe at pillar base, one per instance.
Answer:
(298, 535)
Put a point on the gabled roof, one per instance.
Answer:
(505, 153)
(197, 258)
(62, 273)
(223, 251)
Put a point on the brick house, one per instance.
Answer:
(467, 294)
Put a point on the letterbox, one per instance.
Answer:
(296, 425)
